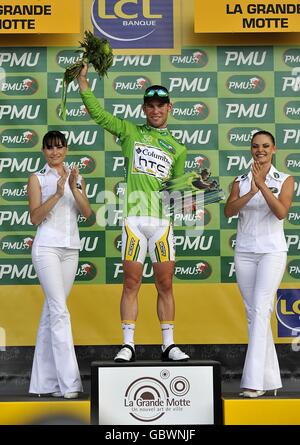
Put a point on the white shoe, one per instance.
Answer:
(71, 395)
(56, 394)
(126, 354)
(173, 353)
(252, 394)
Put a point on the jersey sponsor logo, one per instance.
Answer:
(151, 161)
(167, 146)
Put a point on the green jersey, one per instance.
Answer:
(152, 156)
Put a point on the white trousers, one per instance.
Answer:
(55, 366)
(258, 277)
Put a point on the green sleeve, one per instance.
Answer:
(179, 166)
(114, 125)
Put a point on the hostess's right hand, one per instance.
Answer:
(60, 190)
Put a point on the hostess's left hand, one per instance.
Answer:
(257, 174)
(73, 178)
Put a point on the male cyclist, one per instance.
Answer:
(152, 156)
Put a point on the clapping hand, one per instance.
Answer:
(257, 175)
(61, 184)
(73, 178)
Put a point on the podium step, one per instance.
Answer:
(269, 410)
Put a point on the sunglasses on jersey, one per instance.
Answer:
(160, 92)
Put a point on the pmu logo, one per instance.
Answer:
(287, 85)
(86, 222)
(134, 24)
(139, 63)
(233, 165)
(147, 399)
(241, 136)
(86, 164)
(190, 111)
(131, 84)
(17, 271)
(231, 58)
(92, 244)
(118, 243)
(246, 110)
(232, 241)
(132, 109)
(16, 244)
(190, 58)
(245, 84)
(18, 86)
(19, 164)
(19, 217)
(292, 162)
(297, 190)
(293, 269)
(14, 191)
(192, 136)
(193, 245)
(227, 270)
(291, 57)
(14, 60)
(190, 84)
(67, 57)
(293, 242)
(56, 83)
(292, 110)
(75, 112)
(203, 216)
(195, 162)
(288, 312)
(294, 216)
(288, 136)
(18, 138)
(193, 270)
(23, 113)
(86, 271)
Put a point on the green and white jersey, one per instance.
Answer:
(152, 156)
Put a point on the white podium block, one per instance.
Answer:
(156, 393)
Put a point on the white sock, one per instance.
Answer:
(128, 327)
(167, 328)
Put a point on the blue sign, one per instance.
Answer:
(288, 312)
(135, 23)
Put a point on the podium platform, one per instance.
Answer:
(156, 393)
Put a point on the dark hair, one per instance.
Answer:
(53, 138)
(266, 133)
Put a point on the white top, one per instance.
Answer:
(59, 228)
(259, 230)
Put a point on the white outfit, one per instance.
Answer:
(55, 258)
(260, 260)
